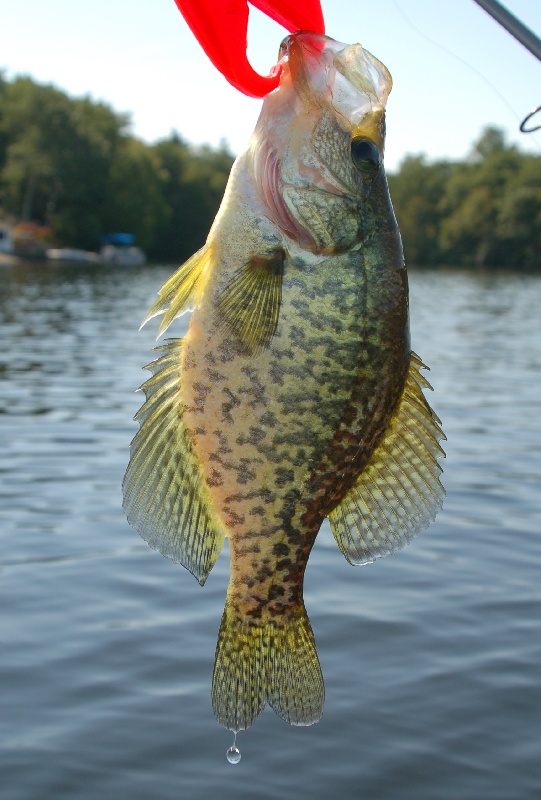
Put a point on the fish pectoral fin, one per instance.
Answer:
(250, 305)
(398, 494)
(274, 662)
(164, 498)
(179, 293)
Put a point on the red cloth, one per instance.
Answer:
(221, 26)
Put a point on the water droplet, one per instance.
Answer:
(233, 755)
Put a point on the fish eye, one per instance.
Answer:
(365, 156)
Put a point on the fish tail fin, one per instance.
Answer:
(274, 662)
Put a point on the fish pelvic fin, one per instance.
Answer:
(273, 662)
(179, 294)
(399, 493)
(164, 498)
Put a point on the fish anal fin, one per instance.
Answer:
(179, 293)
(272, 662)
(250, 304)
(398, 494)
(164, 498)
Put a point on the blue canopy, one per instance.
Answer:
(118, 238)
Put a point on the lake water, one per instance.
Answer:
(432, 658)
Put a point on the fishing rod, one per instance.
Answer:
(512, 25)
(522, 34)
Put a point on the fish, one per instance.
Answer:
(294, 396)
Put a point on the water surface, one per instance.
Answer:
(431, 657)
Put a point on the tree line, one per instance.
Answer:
(71, 164)
(481, 212)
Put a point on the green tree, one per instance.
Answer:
(491, 141)
(134, 199)
(480, 212)
(57, 159)
(195, 179)
(3, 135)
(417, 191)
(519, 228)
(472, 199)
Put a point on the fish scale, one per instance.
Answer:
(294, 395)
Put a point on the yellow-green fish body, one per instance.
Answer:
(294, 395)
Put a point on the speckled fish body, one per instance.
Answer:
(294, 395)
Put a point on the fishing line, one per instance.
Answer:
(435, 43)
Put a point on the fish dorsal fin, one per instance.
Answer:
(250, 304)
(179, 293)
(398, 494)
(164, 498)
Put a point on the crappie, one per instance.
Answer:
(294, 395)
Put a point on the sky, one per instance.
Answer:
(455, 70)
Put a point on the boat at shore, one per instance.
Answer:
(120, 249)
(71, 255)
(19, 244)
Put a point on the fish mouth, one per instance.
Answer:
(349, 78)
(306, 40)
(303, 52)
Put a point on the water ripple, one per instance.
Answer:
(431, 658)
